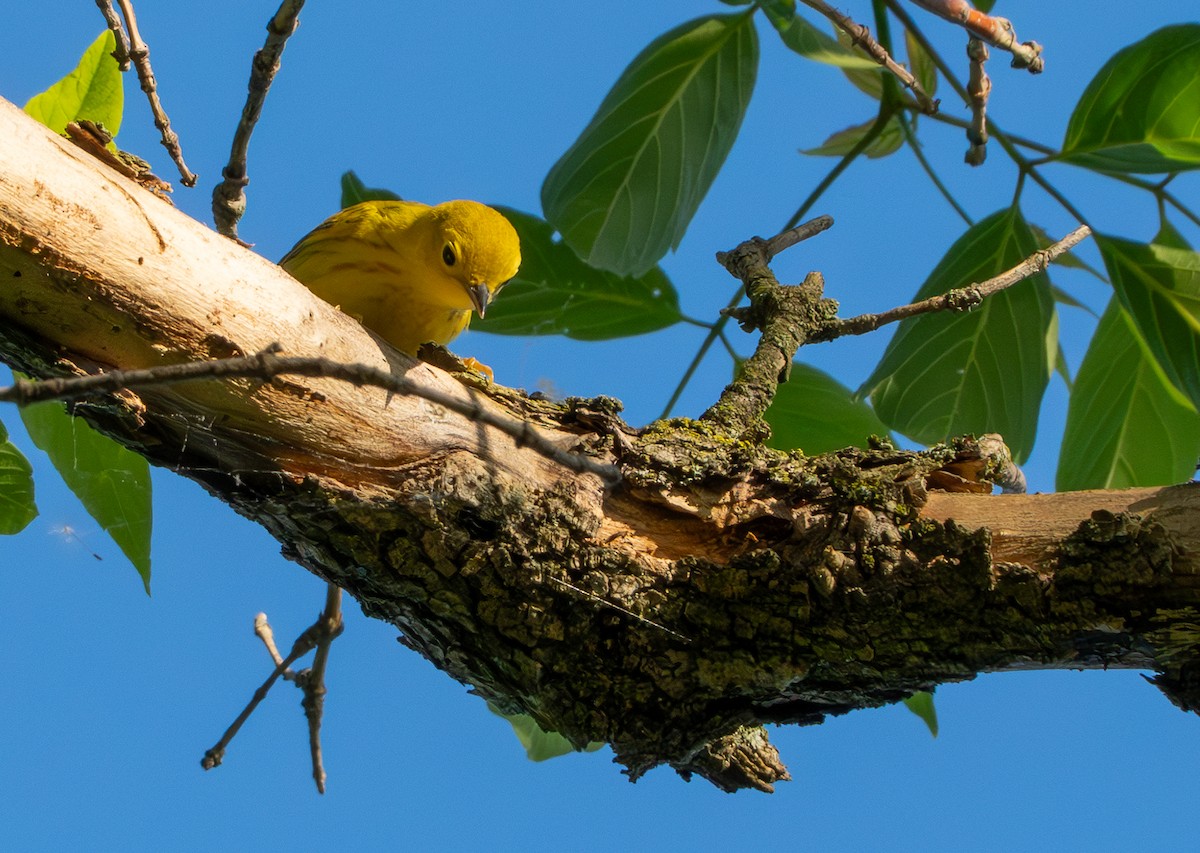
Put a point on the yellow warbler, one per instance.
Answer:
(409, 272)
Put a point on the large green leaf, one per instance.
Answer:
(624, 193)
(815, 413)
(809, 41)
(1126, 424)
(112, 483)
(555, 293)
(946, 374)
(92, 91)
(1160, 288)
(1141, 113)
(17, 507)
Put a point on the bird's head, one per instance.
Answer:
(475, 247)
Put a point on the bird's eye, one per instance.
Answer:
(448, 255)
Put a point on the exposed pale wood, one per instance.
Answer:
(1028, 528)
(111, 273)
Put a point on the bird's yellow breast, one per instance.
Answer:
(407, 270)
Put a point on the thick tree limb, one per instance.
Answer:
(719, 586)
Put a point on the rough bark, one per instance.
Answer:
(719, 586)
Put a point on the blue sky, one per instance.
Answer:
(110, 697)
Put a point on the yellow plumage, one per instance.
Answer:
(409, 272)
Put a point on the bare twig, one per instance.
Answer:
(266, 365)
(121, 53)
(959, 299)
(318, 636)
(139, 52)
(979, 87)
(229, 196)
(785, 240)
(995, 30)
(861, 37)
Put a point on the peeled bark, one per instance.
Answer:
(720, 585)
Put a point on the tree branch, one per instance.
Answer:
(740, 585)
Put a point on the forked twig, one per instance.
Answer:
(319, 635)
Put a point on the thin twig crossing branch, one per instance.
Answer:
(861, 36)
(266, 365)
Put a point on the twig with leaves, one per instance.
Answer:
(862, 38)
(229, 196)
(792, 316)
(134, 48)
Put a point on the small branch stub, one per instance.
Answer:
(786, 315)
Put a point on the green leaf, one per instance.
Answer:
(888, 141)
(539, 744)
(1062, 368)
(93, 91)
(112, 483)
(17, 507)
(1168, 235)
(985, 6)
(921, 704)
(803, 37)
(555, 293)
(1063, 298)
(624, 193)
(1141, 113)
(1160, 288)
(355, 191)
(945, 374)
(921, 64)
(1126, 424)
(815, 413)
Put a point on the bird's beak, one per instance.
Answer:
(480, 295)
